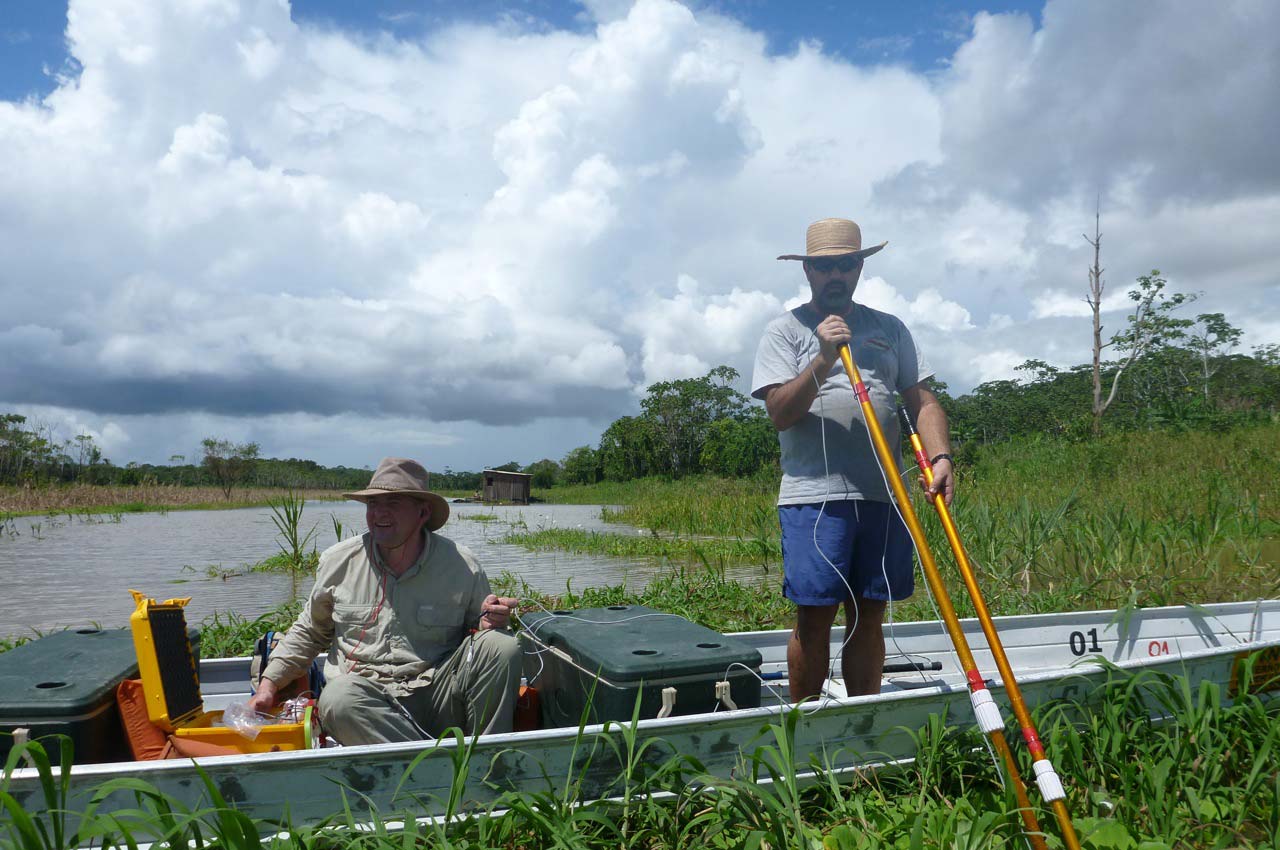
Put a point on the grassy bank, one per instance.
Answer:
(1150, 519)
(86, 499)
(1207, 777)
(144, 498)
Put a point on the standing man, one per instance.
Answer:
(843, 543)
(415, 641)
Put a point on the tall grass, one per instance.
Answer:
(653, 546)
(1149, 519)
(1200, 771)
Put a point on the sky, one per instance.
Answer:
(472, 233)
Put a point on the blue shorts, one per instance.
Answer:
(867, 544)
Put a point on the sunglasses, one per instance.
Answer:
(828, 264)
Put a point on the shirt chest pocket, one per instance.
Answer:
(360, 625)
(439, 624)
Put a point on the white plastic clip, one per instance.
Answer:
(22, 735)
(1047, 778)
(987, 712)
(725, 696)
(668, 702)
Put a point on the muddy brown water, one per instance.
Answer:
(62, 571)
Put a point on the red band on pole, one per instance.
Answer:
(975, 680)
(1033, 741)
(860, 389)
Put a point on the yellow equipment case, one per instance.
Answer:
(171, 681)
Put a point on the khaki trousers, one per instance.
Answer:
(474, 689)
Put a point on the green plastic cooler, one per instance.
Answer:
(65, 683)
(594, 663)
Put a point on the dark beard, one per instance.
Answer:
(835, 296)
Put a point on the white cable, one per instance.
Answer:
(933, 603)
(826, 469)
(850, 629)
(552, 615)
(986, 712)
(991, 752)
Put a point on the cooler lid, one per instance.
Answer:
(628, 643)
(65, 674)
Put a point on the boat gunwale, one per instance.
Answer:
(1084, 667)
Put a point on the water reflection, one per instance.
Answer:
(68, 572)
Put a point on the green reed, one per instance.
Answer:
(286, 514)
(1148, 762)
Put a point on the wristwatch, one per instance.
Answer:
(944, 456)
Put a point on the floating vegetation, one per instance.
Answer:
(214, 571)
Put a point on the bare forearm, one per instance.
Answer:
(788, 403)
(931, 422)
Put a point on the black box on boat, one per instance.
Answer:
(594, 663)
(65, 684)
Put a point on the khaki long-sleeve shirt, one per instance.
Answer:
(393, 630)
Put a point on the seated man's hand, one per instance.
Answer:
(496, 611)
(265, 698)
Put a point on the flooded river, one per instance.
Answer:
(71, 572)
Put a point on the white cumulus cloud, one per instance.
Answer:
(482, 234)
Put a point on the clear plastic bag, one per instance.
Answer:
(245, 720)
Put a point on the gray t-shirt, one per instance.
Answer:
(889, 361)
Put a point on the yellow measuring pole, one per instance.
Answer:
(1042, 765)
(984, 707)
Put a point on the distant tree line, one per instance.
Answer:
(1168, 371)
(32, 453)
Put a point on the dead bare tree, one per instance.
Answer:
(1096, 287)
(1150, 324)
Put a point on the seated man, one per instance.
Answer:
(415, 641)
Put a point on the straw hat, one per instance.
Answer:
(833, 237)
(403, 477)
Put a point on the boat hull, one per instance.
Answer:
(427, 779)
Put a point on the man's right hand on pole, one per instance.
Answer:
(832, 333)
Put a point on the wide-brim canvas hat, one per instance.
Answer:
(833, 237)
(403, 477)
